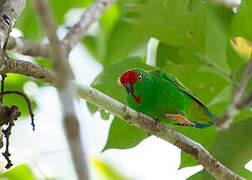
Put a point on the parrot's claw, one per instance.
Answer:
(182, 121)
(177, 124)
(156, 125)
(157, 122)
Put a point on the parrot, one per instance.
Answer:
(163, 97)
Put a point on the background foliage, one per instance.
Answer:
(190, 32)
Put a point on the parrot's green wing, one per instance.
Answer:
(182, 88)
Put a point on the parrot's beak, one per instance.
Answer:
(129, 89)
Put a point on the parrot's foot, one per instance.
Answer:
(181, 119)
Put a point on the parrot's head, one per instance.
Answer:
(133, 80)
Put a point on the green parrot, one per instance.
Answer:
(162, 97)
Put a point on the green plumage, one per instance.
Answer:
(161, 93)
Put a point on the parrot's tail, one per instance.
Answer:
(202, 126)
(211, 115)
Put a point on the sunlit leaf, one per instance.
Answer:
(105, 171)
(242, 46)
(123, 136)
(19, 172)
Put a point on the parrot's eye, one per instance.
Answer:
(139, 78)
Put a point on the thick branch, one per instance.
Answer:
(237, 104)
(64, 85)
(9, 65)
(78, 31)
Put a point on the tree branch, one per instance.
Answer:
(28, 47)
(9, 65)
(212, 65)
(64, 85)
(237, 104)
(78, 31)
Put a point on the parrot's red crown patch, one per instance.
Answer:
(129, 77)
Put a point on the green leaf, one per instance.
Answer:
(124, 40)
(171, 55)
(241, 25)
(197, 176)
(178, 23)
(123, 136)
(217, 21)
(107, 172)
(61, 7)
(28, 23)
(173, 24)
(44, 62)
(232, 148)
(20, 172)
(206, 137)
(91, 45)
(108, 81)
(115, 39)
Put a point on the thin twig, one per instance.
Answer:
(245, 101)
(28, 47)
(78, 31)
(226, 119)
(65, 89)
(217, 68)
(27, 101)
(7, 132)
